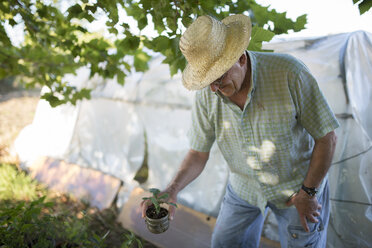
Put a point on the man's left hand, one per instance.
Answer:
(307, 207)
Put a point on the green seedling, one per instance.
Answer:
(157, 199)
(131, 241)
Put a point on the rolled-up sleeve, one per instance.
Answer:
(315, 115)
(201, 133)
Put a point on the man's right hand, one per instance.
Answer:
(172, 199)
(307, 207)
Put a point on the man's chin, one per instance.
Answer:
(226, 92)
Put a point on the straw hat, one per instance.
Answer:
(212, 47)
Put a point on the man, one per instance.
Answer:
(273, 127)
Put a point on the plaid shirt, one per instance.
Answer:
(268, 144)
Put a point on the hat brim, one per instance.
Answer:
(237, 40)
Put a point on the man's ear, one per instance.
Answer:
(243, 59)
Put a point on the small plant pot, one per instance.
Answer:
(157, 223)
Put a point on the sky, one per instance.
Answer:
(323, 16)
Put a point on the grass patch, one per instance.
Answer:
(17, 185)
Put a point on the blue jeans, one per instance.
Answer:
(239, 224)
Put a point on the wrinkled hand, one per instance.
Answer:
(172, 198)
(307, 207)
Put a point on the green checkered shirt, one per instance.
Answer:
(268, 144)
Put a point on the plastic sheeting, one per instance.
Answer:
(350, 191)
(49, 134)
(111, 143)
(151, 113)
(358, 70)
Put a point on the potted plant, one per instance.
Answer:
(157, 217)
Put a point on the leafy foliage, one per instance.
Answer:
(26, 225)
(157, 199)
(15, 185)
(31, 218)
(57, 41)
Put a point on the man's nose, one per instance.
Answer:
(214, 87)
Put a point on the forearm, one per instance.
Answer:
(320, 160)
(191, 168)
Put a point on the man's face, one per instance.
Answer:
(230, 82)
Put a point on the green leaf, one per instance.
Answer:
(208, 6)
(84, 93)
(125, 244)
(146, 4)
(186, 21)
(164, 196)
(178, 64)
(87, 16)
(127, 66)
(154, 191)
(141, 61)
(261, 15)
(364, 6)
(128, 236)
(300, 23)
(173, 67)
(158, 23)
(4, 39)
(175, 45)
(139, 243)
(156, 204)
(258, 36)
(92, 8)
(53, 100)
(142, 23)
(161, 43)
(74, 11)
(173, 204)
(130, 43)
(135, 11)
(172, 23)
(120, 76)
(12, 22)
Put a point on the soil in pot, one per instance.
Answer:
(157, 223)
(151, 212)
